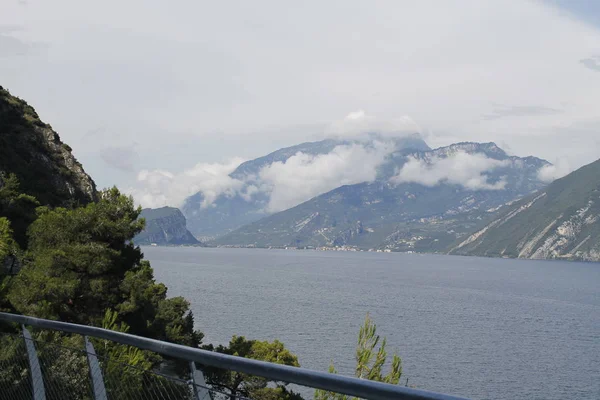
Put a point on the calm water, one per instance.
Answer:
(482, 328)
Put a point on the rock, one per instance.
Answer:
(165, 226)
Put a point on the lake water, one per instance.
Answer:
(481, 328)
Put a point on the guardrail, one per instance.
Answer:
(351, 386)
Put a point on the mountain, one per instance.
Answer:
(561, 221)
(403, 216)
(164, 226)
(33, 151)
(229, 212)
(36, 168)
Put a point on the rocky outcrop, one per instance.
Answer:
(33, 151)
(348, 235)
(560, 222)
(165, 226)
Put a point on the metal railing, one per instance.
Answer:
(199, 390)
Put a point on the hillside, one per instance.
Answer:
(164, 226)
(561, 221)
(36, 168)
(406, 216)
(32, 151)
(229, 212)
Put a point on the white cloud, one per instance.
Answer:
(447, 64)
(159, 188)
(558, 169)
(359, 125)
(289, 183)
(467, 170)
(305, 176)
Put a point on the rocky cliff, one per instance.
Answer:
(164, 226)
(561, 221)
(33, 151)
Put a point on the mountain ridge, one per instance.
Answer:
(228, 213)
(558, 222)
(407, 216)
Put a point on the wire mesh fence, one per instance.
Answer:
(109, 365)
(15, 376)
(66, 373)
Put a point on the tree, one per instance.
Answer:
(369, 361)
(7, 250)
(17, 212)
(17, 207)
(6, 241)
(82, 262)
(237, 384)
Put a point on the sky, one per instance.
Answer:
(149, 92)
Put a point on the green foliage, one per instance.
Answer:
(17, 207)
(81, 262)
(17, 211)
(237, 384)
(15, 379)
(119, 357)
(6, 240)
(77, 262)
(7, 249)
(370, 361)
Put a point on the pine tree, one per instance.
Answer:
(369, 361)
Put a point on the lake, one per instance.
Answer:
(476, 327)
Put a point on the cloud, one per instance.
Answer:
(467, 170)
(287, 184)
(359, 125)
(444, 69)
(521, 111)
(120, 157)
(592, 63)
(159, 188)
(304, 176)
(551, 172)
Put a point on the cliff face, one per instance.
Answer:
(33, 151)
(561, 221)
(164, 226)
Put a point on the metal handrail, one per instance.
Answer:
(320, 380)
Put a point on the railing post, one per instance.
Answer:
(95, 371)
(199, 389)
(37, 381)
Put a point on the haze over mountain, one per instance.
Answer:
(419, 199)
(561, 221)
(290, 176)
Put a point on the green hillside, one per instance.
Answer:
(561, 221)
